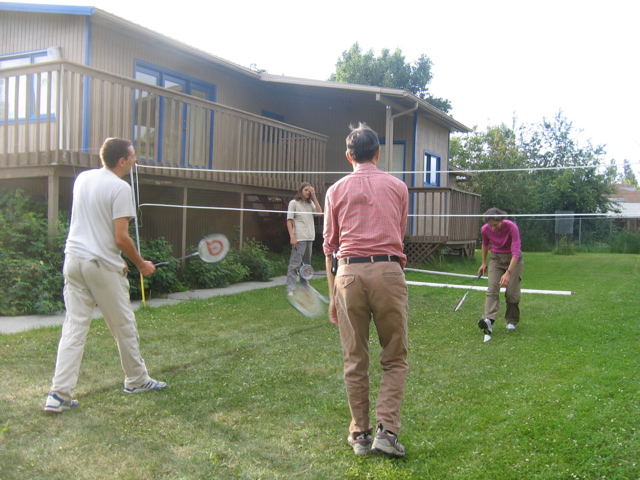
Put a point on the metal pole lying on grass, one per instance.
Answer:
(484, 289)
(433, 272)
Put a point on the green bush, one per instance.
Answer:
(165, 280)
(565, 246)
(254, 256)
(199, 274)
(534, 236)
(625, 242)
(250, 263)
(32, 287)
(30, 273)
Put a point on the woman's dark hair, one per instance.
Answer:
(299, 195)
(495, 215)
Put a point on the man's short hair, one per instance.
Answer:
(494, 215)
(113, 149)
(362, 143)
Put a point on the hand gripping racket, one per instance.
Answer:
(211, 249)
(465, 295)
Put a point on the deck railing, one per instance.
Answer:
(61, 112)
(443, 215)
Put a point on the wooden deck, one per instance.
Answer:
(59, 113)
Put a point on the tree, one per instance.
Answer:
(495, 149)
(388, 70)
(611, 173)
(542, 185)
(551, 143)
(628, 177)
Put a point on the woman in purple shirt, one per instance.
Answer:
(502, 237)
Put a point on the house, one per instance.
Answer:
(628, 202)
(222, 148)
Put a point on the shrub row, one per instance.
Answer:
(31, 272)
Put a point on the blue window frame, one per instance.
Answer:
(431, 169)
(24, 97)
(194, 150)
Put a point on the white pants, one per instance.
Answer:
(89, 283)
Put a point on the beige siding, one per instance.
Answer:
(435, 139)
(116, 51)
(26, 32)
(328, 115)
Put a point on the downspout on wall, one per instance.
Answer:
(390, 117)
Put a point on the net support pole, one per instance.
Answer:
(135, 220)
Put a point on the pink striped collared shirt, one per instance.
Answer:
(366, 214)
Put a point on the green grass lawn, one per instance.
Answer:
(256, 391)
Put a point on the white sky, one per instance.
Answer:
(493, 59)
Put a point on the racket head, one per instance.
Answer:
(213, 248)
(309, 302)
(306, 272)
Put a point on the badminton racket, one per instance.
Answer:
(305, 271)
(308, 301)
(465, 295)
(211, 249)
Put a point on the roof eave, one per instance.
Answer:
(395, 93)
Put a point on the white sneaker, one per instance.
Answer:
(56, 404)
(486, 326)
(361, 444)
(511, 326)
(150, 385)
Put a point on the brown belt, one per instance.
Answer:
(375, 258)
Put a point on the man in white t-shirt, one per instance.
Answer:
(96, 274)
(302, 232)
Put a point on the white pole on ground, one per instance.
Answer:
(433, 272)
(484, 289)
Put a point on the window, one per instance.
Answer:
(23, 97)
(431, 170)
(182, 133)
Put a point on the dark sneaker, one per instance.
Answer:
(486, 325)
(150, 385)
(387, 442)
(55, 404)
(361, 444)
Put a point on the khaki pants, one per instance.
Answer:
(87, 283)
(498, 265)
(378, 291)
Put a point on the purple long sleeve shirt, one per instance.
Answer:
(505, 240)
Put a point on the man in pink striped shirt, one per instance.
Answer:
(365, 222)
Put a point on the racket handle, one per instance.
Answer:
(159, 264)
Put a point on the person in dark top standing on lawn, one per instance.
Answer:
(502, 237)
(365, 222)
